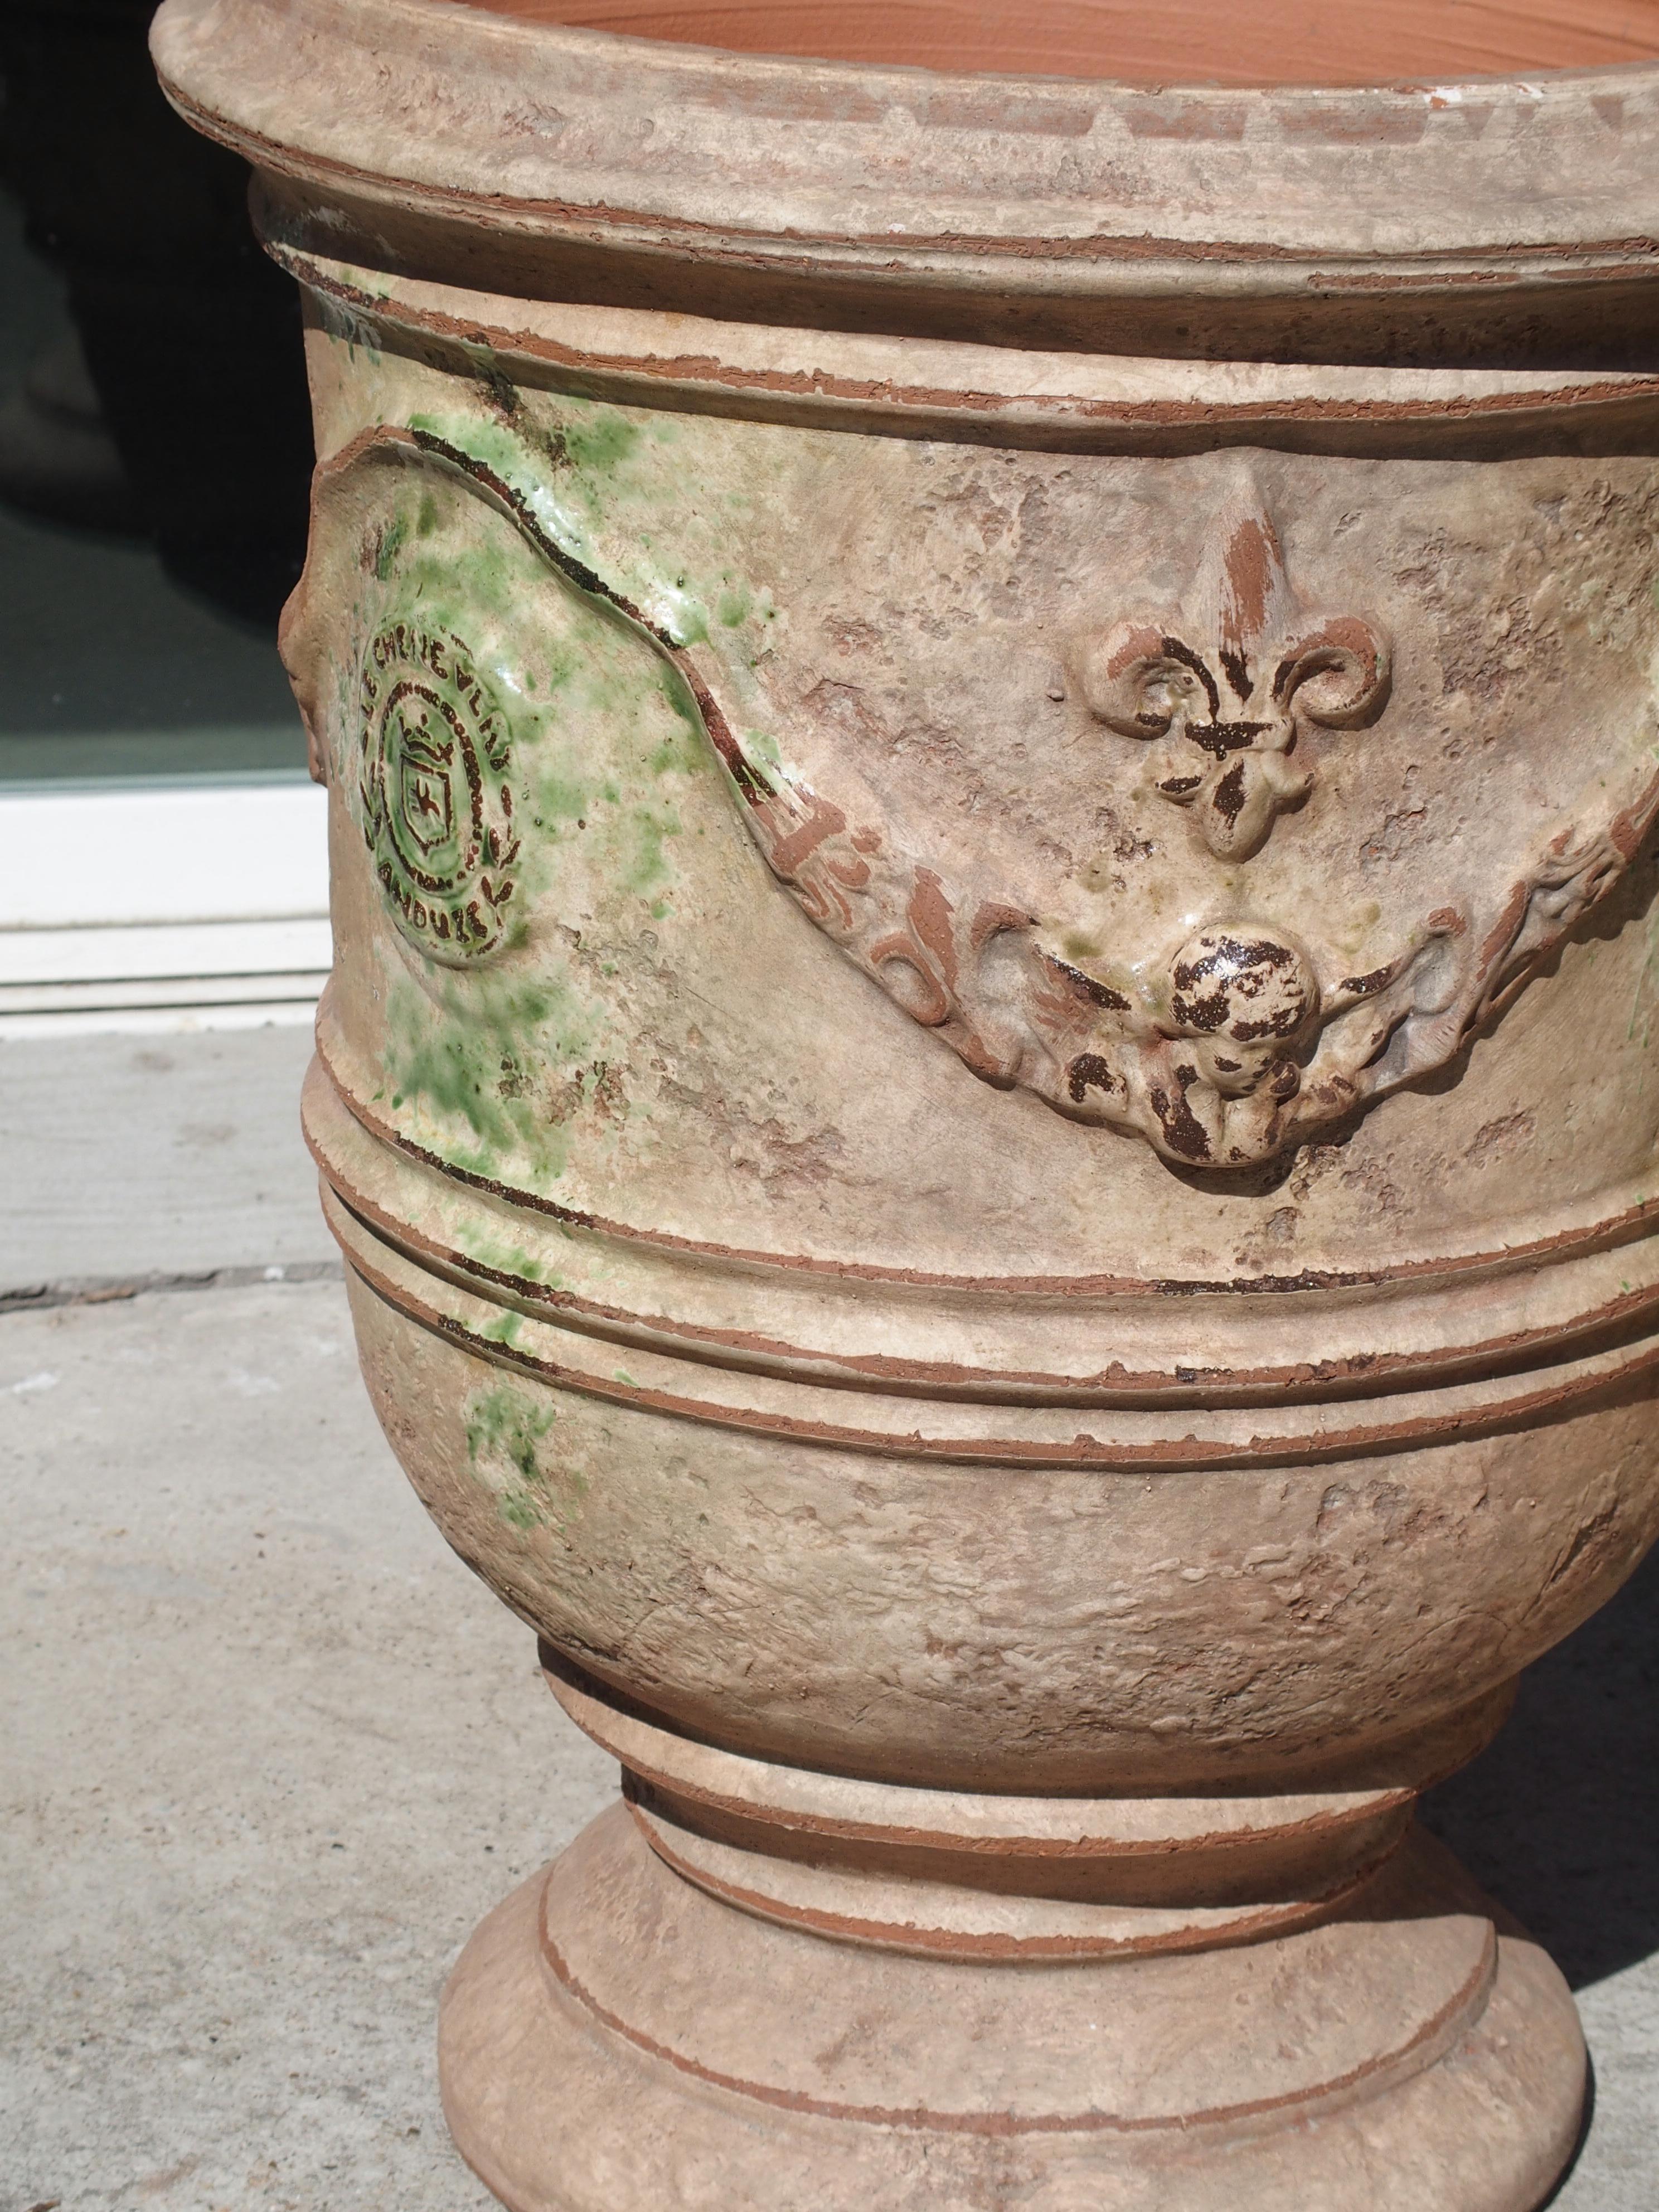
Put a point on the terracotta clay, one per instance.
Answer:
(988, 1083)
(1184, 41)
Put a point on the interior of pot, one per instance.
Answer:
(1235, 42)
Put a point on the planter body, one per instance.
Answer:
(988, 1082)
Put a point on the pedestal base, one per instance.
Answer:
(614, 2039)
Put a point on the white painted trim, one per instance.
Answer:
(159, 1021)
(70, 859)
(111, 955)
(162, 991)
(168, 907)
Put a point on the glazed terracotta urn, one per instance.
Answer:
(987, 680)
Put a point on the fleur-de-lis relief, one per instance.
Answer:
(1222, 688)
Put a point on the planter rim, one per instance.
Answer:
(496, 123)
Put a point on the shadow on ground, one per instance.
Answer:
(1560, 1819)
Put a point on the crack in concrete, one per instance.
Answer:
(102, 1289)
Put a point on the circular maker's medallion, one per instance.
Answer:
(437, 806)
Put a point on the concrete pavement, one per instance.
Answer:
(272, 1753)
(144, 1156)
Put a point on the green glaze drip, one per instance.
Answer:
(499, 1257)
(646, 867)
(504, 1431)
(391, 545)
(481, 1057)
(597, 437)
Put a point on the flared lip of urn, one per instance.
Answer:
(926, 185)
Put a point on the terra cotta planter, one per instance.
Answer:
(989, 1083)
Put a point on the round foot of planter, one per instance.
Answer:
(614, 2037)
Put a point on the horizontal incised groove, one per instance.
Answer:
(1346, 1784)
(880, 385)
(1292, 269)
(801, 1799)
(1385, 1808)
(1427, 2043)
(1125, 1930)
(1447, 1416)
(1626, 1319)
(1638, 1219)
